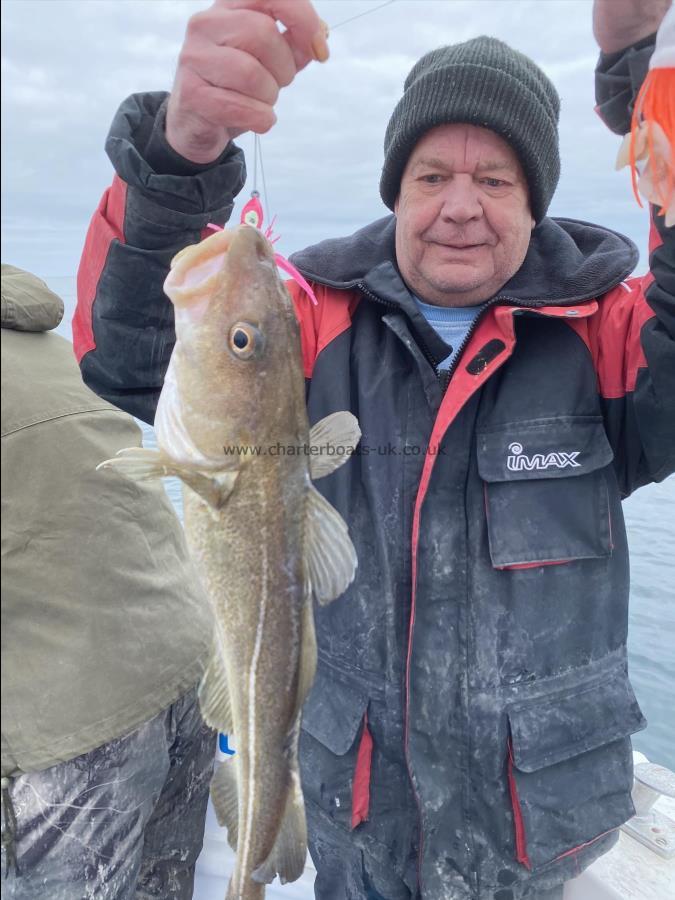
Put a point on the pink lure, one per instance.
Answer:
(252, 214)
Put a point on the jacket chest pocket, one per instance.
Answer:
(546, 497)
(570, 768)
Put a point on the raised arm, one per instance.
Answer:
(633, 337)
(177, 170)
(618, 24)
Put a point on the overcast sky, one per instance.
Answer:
(66, 64)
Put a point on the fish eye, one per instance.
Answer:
(244, 340)
(240, 339)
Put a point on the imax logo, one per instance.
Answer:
(519, 461)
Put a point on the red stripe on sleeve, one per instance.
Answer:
(321, 324)
(105, 227)
(613, 337)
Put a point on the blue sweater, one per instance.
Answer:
(451, 322)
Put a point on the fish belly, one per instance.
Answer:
(251, 560)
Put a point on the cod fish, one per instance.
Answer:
(232, 424)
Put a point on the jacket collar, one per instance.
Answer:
(568, 261)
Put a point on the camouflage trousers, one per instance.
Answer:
(123, 821)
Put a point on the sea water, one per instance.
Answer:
(650, 523)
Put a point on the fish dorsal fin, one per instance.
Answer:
(288, 856)
(331, 558)
(225, 799)
(214, 694)
(336, 437)
(141, 464)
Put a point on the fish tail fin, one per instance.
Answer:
(288, 856)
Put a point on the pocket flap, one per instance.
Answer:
(543, 448)
(333, 713)
(552, 729)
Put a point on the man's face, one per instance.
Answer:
(463, 216)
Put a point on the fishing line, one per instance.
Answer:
(358, 16)
(262, 172)
(257, 146)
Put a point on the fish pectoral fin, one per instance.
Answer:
(336, 437)
(138, 463)
(288, 856)
(213, 487)
(331, 558)
(142, 464)
(214, 695)
(225, 799)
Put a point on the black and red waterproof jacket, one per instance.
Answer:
(469, 725)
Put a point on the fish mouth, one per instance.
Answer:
(248, 240)
(195, 269)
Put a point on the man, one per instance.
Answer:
(468, 732)
(105, 759)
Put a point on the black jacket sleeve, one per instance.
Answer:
(618, 78)
(637, 334)
(158, 203)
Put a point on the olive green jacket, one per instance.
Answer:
(103, 620)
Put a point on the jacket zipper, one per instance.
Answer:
(445, 375)
(420, 343)
(502, 298)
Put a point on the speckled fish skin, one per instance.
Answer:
(264, 539)
(251, 552)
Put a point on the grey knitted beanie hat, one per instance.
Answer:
(480, 82)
